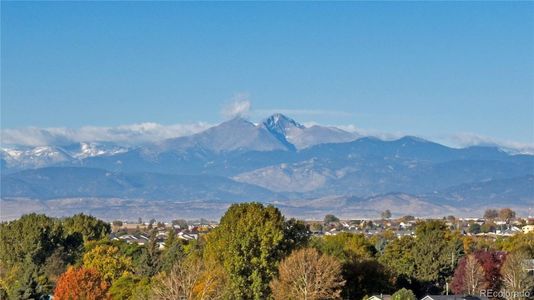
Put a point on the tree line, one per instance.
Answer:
(254, 253)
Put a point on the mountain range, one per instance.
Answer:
(307, 171)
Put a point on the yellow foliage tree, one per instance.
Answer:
(108, 261)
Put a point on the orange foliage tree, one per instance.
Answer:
(81, 283)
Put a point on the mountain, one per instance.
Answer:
(69, 182)
(303, 137)
(16, 158)
(235, 135)
(303, 169)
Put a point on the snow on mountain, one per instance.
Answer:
(237, 134)
(21, 157)
(303, 137)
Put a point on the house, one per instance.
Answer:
(380, 297)
(454, 297)
(528, 228)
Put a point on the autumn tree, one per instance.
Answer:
(249, 242)
(307, 274)
(506, 214)
(516, 279)
(108, 261)
(491, 214)
(519, 242)
(474, 276)
(190, 279)
(81, 283)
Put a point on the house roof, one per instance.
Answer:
(454, 297)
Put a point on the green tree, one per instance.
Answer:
(330, 219)
(436, 252)
(398, 256)
(386, 214)
(149, 261)
(174, 251)
(345, 246)
(403, 294)
(130, 287)
(249, 242)
(89, 227)
(29, 250)
(474, 228)
(364, 275)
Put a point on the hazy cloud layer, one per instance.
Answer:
(125, 134)
(238, 107)
(472, 139)
(135, 134)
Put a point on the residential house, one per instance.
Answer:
(528, 228)
(454, 297)
(380, 297)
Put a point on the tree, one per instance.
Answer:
(174, 251)
(516, 279)
(108, 261)
(436, 251)
(249, 242)
(398, 256)
(307, 274)
(474, 276)
(491, 214)
(520, 242)
(316, 227)
(149, 262)
(180, 222)
(403, 294)
(30, 248)
(506, 214)
(89, 227)
(345, 246)
(190, 279)
(130, 287)
(81, 283)
(364, 275)
(330, 219)
(474, 228)
(386, 214)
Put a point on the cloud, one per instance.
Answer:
(132, 134)
(467, 139)
(239, 107)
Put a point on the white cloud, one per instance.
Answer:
(462, 140)
(239, 107)
(131, 134)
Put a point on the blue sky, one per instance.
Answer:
(421, 68)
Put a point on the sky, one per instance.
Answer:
(431, 69)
